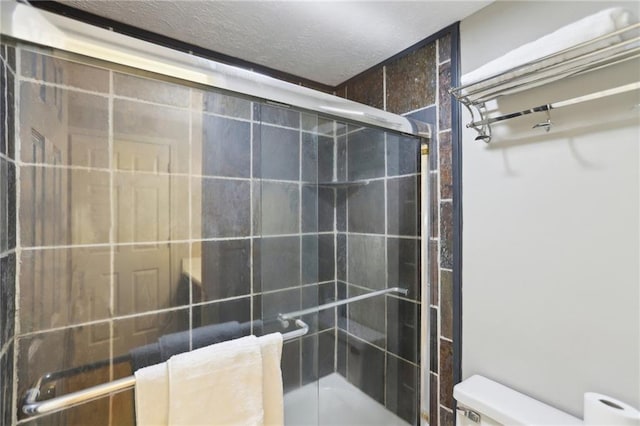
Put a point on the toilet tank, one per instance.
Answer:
(487, 403)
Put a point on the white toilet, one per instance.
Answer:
(484, 402)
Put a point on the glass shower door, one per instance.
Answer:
(337, 208)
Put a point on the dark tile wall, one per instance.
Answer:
(7, 231)
(417, 85)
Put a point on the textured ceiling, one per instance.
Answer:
(327, 42)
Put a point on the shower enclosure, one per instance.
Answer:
(155, 198)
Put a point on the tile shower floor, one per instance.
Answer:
(340, 403)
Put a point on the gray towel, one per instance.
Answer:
(176, 343)
(145, 356)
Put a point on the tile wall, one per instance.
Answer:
(7, 230)
(416, 85)
(378, 246)
(148, 208)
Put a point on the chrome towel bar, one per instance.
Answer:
(294, 314)
(32, 406)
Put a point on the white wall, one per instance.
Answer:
(551, 253)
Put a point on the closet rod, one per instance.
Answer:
(560, 104)
(33, 407)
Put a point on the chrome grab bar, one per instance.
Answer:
(291, 315)
(32, 406)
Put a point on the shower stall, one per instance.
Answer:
(158, 193)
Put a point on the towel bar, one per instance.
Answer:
(32, 406)
(291, 315)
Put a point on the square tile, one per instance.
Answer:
(7, 298)
(326, 257)
(434, 201)
(130, 334)
(403, 155)
(411, 80)
(434, 297)
(325, 159)
(316, 295)
(341, 353)
(226, 269)
(433, 340)
(403, 389)
(150, 207)
(434, 403)
(4, 205)
(68, 128)
(149, 277)
(226, 311)
(365, 206)
(279, 208)
(446, 374)
(151, 90)
(317, 209)
(81, 275)
(446, 240)
(290, 365)
(60, 206)
(276, 263)
(310, 259)
(74, 347)
(403, 265)
(341, 158)
(446, 166)
(365, 368)
(226, 207)
(444, 48)
(6, 387)
(11, 118)
(4, 111)
(280, 116)
(366, 261)
(444, 113)
(403, 329)
(341, 257)
(309, 167)
(366, 319)
(367, 89)
(150, 138)
(230, 106)
(341, 209)
(55, 70)
(317, 356)
(226, 147)
(11, 205)
(446, 304)
(276, 153)
(403, 204)
(365, 154)
(280, 302)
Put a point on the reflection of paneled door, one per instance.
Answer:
(142, 209)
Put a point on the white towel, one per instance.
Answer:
(219, 384)
(593, 26)
(152, 395)
(272, 394)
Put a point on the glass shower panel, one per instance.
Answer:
(339, 218)
(158, 208)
